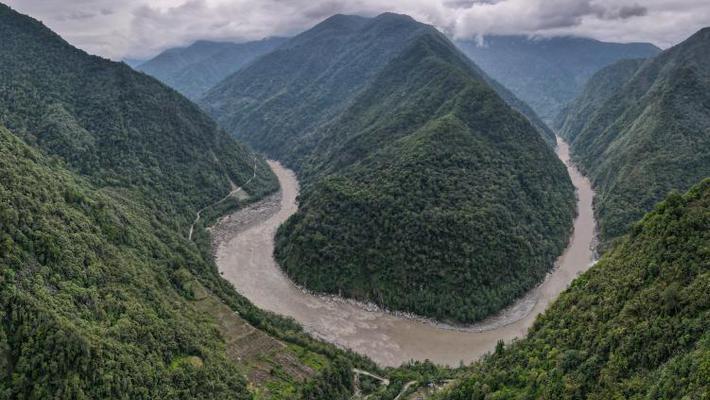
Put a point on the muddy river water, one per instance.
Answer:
(244, 243)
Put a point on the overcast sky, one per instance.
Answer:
(141, 28)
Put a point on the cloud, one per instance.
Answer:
(534, 17)
(632, 11)
(141, 28)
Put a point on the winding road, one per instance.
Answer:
(244, 243)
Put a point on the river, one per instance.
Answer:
(244, 243)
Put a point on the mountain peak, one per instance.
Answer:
(390, 16)
(341, 21)
(701, 35)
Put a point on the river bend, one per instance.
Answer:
(244, 244)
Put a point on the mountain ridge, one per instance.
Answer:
(372, 131)
(634, 326)
(647, 137)
(194, 69)
(102, 294)
(547, 73)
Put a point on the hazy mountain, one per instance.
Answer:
(548, 73)
(641, 130)
(195, 69)
(133, 62)
(636, 325)
(422, 189)
(101, 295)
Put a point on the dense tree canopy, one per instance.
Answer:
(642, 129)
(636, 325)
(422, 189)
(101, 171)
(116, 126)
(548, 73)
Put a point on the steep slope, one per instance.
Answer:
(649, 136)
(91, 300)
(277, 101)
(548, 73)
(119, 127)
(601, 86)
(195, 69)
(636, 325)
(101, 293)
(423, 190)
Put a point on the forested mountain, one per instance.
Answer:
(422, 189)
(548, 73)
(601, 86)
(641, 130)
(195, 69)
(116, 126)
(313, 77)
(101, 294)
(133, 62)
(636, 325)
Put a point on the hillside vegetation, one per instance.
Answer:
(101, 293)
(195, 69)
(116, 126)
(92, 304)
(636, 325)
(422, 189)
(309, 80)
(642, 129)
(548, 73)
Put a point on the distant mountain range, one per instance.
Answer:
(548, 73)
(641, 129)
(195, 69)
(422, 189)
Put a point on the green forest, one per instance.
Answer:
(423, 190)
(636, 325)
(548, 73)
(195, 69)
(118, 127)
(641, 130)
(451, 206)
(426, 187)
(101, 172)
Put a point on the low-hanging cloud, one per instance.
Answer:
(141, 28)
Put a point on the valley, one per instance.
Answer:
(374, 208)
(244, 243)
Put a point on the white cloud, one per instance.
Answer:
(141, 28)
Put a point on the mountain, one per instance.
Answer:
(600, 87)
(422, 189)
(642, 129)
(318, 87)
(636, 325)
(119, 127)
(102, 294)
(195, 69)
(548, 73)
(133, 62)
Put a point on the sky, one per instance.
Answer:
(139, 29)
